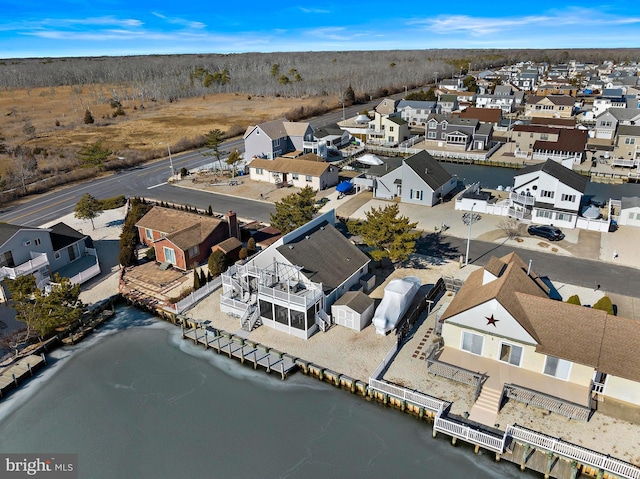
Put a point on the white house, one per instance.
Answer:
(419, 180)
(630, 211)
(291, 285)
(306, 170)
(547, 193)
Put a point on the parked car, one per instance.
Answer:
(322, 201)
(549, 232)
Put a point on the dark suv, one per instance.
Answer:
(549, 232)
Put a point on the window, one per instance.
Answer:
(390, 128)
(606, 124)
(276, 142)
(195, 251)
(472, 343)
(295, 176)
(432, 135)
(444, 136)
(543, 214)
(557, 367)
(37, 241)
(148, 233)
(444, 125)
(563, 216)
(544, 136)
(629, 141)
(433, 125)
(510, 353)
(259, 171)
(169, 255)
(547, 194)
(56, 255)
(570, 198)
(27, 243)
(308, 178)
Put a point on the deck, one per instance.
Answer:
(242, 349)
(18, 371)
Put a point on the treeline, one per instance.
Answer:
(166, 77)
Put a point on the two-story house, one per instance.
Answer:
(627, 146)
(547, 193)
(387, 130)
(44, 251)
(448, 103)
(416, 112)
(291, 285)
(560, 106)
(275, 138)
(327, 141)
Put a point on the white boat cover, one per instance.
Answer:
(370, 159)
(398, 295)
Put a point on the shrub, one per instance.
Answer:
(88, 117)
(243, 254)
(604, 304)
(113, 203)
(150, 254)
(574, 300)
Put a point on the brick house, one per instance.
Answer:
(184, 239)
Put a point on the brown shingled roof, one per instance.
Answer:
(183, 229)
(485, 115)
(568, 140)
(555, 99)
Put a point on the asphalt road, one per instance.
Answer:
(149, 181)
(580, 272)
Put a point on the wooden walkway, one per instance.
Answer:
(548, 464)
(242, 349)
(11, 376)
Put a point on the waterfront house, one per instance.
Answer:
(291, 285)
(627, 146)
(571, 144)
(306, 170)
(504, 332)
(416, 112)
(483, 115)
(387, 130)
(501, 102)
(559, 106)
(354, 310)
(275, 138)
(448, 103)
(547, 193)
(419, 180)
(629, 211)
(181, 239)
(44, 251)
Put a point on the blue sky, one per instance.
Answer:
(113, 27)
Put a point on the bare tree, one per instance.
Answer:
(510, 227)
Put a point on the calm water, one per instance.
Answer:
(493, 176)
(135, 401)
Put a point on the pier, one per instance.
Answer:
(22, 369)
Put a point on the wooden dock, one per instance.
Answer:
(12, 375)
(242, 349)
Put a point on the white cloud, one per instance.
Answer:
(313, 10)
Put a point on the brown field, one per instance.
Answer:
(180, 123)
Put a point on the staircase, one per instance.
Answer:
(486, 408)
(249, 319)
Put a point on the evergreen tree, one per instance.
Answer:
(88, 208)
(234, 157)
(88, 117)
(213, 140)
(196, 279)
(349, 96)
(217, 263)
(575, 299)
(390, 235)
(251, 246)
(243, 254)
(294, 210)
(203, 278)
(93, 154)
(210, 211)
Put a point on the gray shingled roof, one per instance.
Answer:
(416, 104)
(630, 202)
(628, 130)
(63, 235)
(325, 256)
(427, 168)
(356, 300)
(7, 231)
(555, 169)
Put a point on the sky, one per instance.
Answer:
(59, 28)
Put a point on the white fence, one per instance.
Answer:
(399, 392)
(198, 294)
(86, 275)
(469, 434)
(593, 225)
(571, 451)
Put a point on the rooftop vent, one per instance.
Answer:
(290, 246)
(306, 237)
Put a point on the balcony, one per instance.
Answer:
(522, 199)
(37, 261)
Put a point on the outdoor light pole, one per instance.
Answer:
(466, 258)
(170, 159)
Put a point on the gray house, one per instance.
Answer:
(275, 138)
(416, 112)
(456, 133)
(419, 180)
(44, 251)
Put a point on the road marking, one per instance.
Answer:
(35, 211)
(155, 186)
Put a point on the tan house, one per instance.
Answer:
(627, 144)
(503, 329)
(306, 170)
(524, 137)
(387, 130)
(558, 106)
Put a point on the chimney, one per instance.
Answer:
(232, 221)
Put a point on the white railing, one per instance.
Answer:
(571, 451)
(518, 214)
(399, 392)
(597, 387)
(310, 296)
(86, 275)
(37, 261)
(198, 294)
(474, 436)
(623, 162)
(522, 199)
(385, 362)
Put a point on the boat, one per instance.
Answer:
(398, 295)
